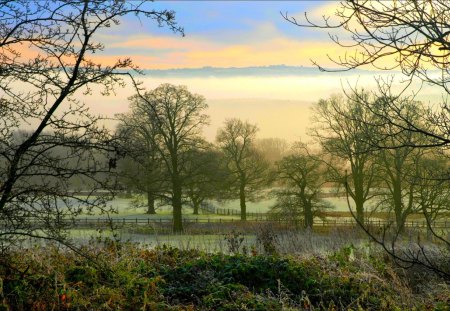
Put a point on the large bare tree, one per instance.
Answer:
(176, 117)
(410, 36)
(141, 169)
(46, 64)
(339, 130)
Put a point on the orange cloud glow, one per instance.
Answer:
(193, 52)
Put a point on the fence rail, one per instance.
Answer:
(318, 223)
(212, 209)
(93, 222)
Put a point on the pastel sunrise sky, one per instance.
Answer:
(246, 60)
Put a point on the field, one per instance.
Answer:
(230, 211)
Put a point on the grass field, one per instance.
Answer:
(124, 206)
(125, 210)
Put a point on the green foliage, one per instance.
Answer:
(238, 297)
(166, 278)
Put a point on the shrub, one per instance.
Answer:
(166, 278)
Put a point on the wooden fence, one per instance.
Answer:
(93, 222)
(210, 208)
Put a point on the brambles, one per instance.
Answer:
(167, 278)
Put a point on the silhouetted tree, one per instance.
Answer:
(247, 166)
(176, 117)
(141, 168)
(432, 192)
(46, 63)
(339, 130)
(411, 36)
(302, 177)
(206, 176)
(396, 165)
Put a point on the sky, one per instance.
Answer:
(242, 56)
(222, 34)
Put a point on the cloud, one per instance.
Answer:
(327, 10)
(163, 52)
(263, 42)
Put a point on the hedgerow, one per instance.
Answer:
(115, 276)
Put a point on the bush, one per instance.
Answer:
(130, 278)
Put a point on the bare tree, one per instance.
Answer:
(273, 149)
(141, 169)
(206, 176)
(408, 35)
(176, 117)
(247, 166)
(45, 64)
(302, 177)
(411, 36)
(396, 157)
(400, 173)
(432, 186)
(338, 128)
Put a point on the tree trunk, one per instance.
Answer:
(398, 206)
(196, 205)
(359, 210)
(308, 215)
(307, 206)
(359, 194)
(150, 203)
(176, 204)
(242, 201)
